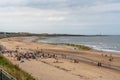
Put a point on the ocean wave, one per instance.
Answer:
(109, 44)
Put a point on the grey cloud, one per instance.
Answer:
(60, 15)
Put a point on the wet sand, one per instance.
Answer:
(64, 69)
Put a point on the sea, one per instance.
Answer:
(101, 43)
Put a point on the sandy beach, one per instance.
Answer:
(61, 68)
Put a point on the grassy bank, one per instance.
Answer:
(80, 47)
(14, 70)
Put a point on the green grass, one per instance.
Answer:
(14, 70)
(81, 47)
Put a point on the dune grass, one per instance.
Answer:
(80, 47)
(14, 70)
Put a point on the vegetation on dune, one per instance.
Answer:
(14, 70)
(81, 47)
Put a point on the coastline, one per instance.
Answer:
(73, 49)
(101, 45)
(65, 64)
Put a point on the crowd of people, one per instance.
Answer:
(22, 56)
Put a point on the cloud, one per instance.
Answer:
(58, 14)
(101, 8)
(32, 13)
(56, 18)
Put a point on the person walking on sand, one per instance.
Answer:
(99, 64)
(111, 58)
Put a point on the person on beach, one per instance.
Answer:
(42, 55)
(63, 56)
(99, 64)
(33, 56)
(76, 61)
(111, 58)
(22, 60)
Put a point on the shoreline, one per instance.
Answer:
(96, 49)
(91, 48)
(86, 70)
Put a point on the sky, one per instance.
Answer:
(60, 16)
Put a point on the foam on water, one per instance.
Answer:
(102, 43)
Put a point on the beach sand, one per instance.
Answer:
(64, 69)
